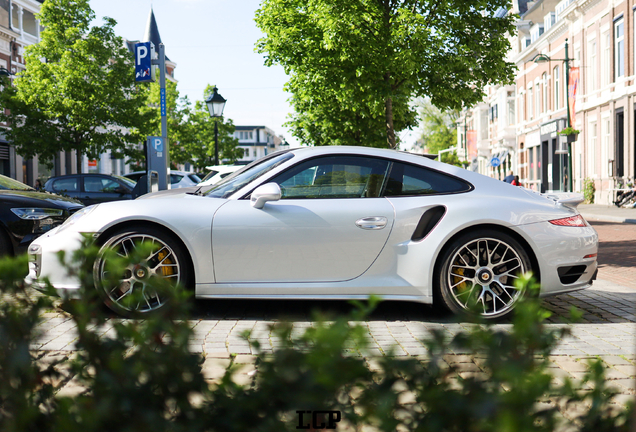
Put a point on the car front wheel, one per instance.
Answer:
(133, 290)
(478, 274)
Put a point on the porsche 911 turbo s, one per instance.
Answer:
(336, 223)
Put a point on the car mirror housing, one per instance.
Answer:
(264, 193)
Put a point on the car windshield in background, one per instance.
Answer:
(7, 183)
(195, 178)
(127, 181)
(231, 184)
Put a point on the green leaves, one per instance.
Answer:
(78, 92)
(350, 62)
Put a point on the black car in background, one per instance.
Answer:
(91, 188)
(26, 214)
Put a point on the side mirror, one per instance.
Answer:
(264, 193)
(121, 190)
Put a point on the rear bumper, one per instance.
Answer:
(566, 256)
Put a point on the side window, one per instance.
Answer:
(66, 185)
(410, 180)
(334, 177)
(175, 178)
(98, 184)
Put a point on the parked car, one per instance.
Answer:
(178, 179)
(219, 172)
(337, 223)
(91, 188)
(26, 214)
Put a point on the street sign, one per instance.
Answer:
(157, 156)
(157, 145)
(144, 54)
(495, 162)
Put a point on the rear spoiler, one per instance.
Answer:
(571, 200)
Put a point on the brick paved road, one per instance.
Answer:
(617, 252)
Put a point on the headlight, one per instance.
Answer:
(36, 213)
(76, 216)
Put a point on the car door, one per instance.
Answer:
(98, 189)
(329, 225)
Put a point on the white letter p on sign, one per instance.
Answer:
(142, 52)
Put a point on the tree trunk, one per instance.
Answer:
(79, 161)
(390, 131)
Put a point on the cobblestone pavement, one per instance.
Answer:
(607, 330)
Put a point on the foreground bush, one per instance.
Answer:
(140, 376)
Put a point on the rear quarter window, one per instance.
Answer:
(66, 185)
(412, 180)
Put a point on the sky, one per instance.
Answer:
(212, 42)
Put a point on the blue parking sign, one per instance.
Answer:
(144, 54)
(157, 144)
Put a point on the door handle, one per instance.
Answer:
(372, 222)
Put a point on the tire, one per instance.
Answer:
(478, 271)
(168, 261)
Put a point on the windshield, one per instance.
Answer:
(251, 172)
(130, 183)
(7, 183)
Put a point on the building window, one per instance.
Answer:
(591, 150)
(530, 104)
(605, 143)
(557, 83)
(531, 167)
(619, 49)
(591, 66)
(544, 97)
(511, 111)
(605, 60)
(483, 125)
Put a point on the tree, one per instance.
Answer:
(355, 65)
(78, 91)
(194, 137)
(439, 130)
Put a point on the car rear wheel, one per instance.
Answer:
(132, 292)
(478, 274)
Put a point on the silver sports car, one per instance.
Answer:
(337, 223)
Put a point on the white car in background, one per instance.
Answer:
(218, 173)
(335, 223)
(178, 179)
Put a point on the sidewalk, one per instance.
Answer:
(604, 213)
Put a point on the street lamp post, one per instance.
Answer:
(542, 58)
(216, 104)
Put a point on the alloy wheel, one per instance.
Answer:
(481, 276)
(161, 262)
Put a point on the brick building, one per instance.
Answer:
(601, 43)
(18, 28)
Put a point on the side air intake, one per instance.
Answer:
(427, 222)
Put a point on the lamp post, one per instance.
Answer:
(216, 104)
(542, 58)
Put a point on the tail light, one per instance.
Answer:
(572, 221)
